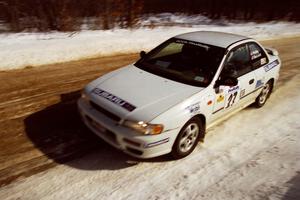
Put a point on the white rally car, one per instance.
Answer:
(166, 100)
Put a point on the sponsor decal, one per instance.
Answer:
(245, 95)
(194, 107)
(192, 43)
(242, 93)
(152, 144)
(220, 98)
(231, 99)
(259, 83)
(255, 54)
(263, 61)
(209, 102)
(233, 89)
(271, 65)
(114, 99)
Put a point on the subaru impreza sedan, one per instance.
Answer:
(165, 102)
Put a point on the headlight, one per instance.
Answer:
(144, 128)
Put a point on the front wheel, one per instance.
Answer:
(187, 138)
(264, 95)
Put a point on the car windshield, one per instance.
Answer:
(183, 61)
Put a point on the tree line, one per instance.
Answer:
(256, 10)
(70, 15)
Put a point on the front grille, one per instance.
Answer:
(106, 133)
(105, 112)
(111, 136)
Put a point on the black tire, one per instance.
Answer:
(180, 150)
(264, 95)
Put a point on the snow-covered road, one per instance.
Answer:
(254, 154)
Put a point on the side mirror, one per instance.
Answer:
(227, 81)
(272, 51)
(142, 54)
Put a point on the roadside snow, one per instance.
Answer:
(34, 49)
(237, 161)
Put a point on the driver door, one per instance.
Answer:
(237, 65)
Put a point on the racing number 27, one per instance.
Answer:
(231, 99)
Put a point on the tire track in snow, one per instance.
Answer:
(224, 154)
(229, 151)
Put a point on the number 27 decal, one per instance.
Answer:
(231, 99)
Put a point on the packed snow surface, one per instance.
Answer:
(253, 155)
(33, 49)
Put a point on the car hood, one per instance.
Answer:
(132, 93)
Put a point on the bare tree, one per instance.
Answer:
(67, 15)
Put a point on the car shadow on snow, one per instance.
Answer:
(59, 133)
(293, 192)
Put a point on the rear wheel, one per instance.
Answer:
(264, 95)
(187, 138)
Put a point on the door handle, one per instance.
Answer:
(251, 81)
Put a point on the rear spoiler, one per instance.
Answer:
(272, 51)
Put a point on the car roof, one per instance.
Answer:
(219, 39)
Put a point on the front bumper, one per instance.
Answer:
(125, 139)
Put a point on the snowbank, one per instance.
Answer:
(34, 49)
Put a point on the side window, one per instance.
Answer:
(237, 62)
(257, 56)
